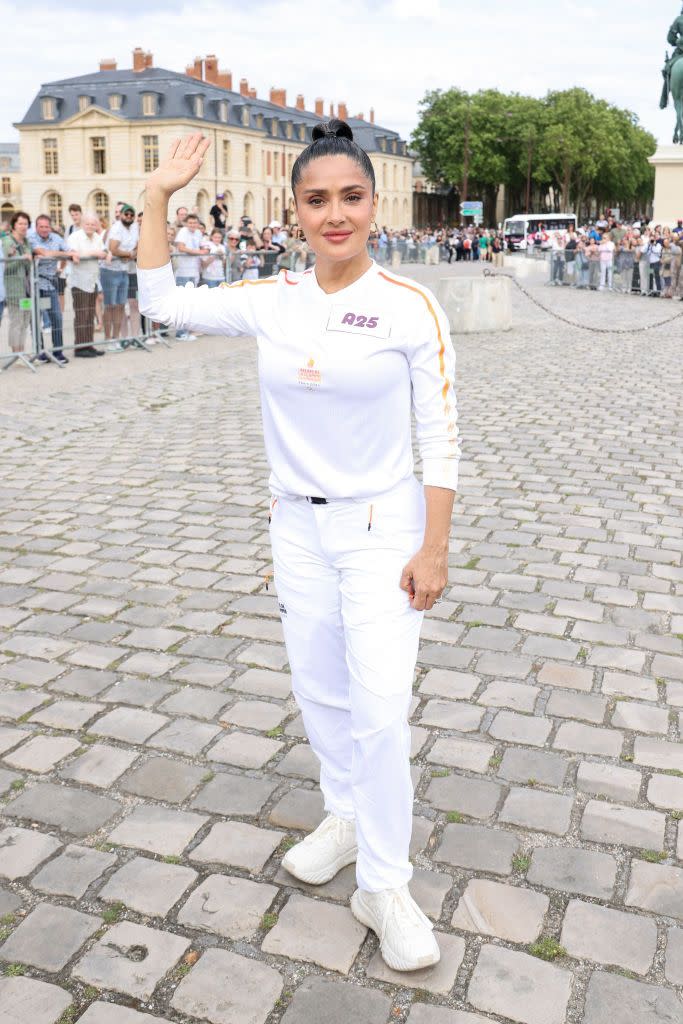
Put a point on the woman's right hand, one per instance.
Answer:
(182, 163)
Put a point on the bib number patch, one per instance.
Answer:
(357, 321)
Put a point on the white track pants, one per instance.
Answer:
(352, 639)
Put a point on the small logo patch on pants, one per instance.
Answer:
(283, 610)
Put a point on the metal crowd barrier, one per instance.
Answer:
(628, 272)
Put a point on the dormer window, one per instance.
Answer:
(149, 104)
(393, 146)
(115, 101)
(223, 110)
(302, 132)
(259, 120)
(245, 116)
(84, 102)
(383, 145)
(199, 106)
(289, 129)
(48, 108)
(274, 127)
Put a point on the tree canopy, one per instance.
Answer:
(574, 151)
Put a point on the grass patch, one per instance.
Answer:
(439, 773)
(268, 921)
(69, 1015)
(532, 782)
(547, 949)
(583, 654)
(287, 843)
(87, 738)
(454, 818)
(171, 858)
(113, 913)
(208, 776)
(15, 970)
(472, 564)
(495, 761)
(677, 815)
(521, 862)
(17, 784)
(274, 733)
(672, 771)
(627, 757)
(653, 856)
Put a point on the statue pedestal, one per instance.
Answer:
(476, 304)
(668, 204)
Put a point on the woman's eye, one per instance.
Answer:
(353, 197)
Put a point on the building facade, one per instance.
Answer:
(10, 180)
(93, 139)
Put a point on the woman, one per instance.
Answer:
(89, 244)
(360, 550)
(213, 265)
(16, 253)
(270, 252)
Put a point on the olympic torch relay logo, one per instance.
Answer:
(309, 376)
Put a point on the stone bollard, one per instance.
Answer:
(396, 258)
(433, 256)
(529, 269)
(476, 304)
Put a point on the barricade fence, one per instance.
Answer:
(627, 271)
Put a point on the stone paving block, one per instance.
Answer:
(17, 703)
(234, 794)
(517, 696)
(609, 936)
(635, 687)
(9, 901)
(163, 778)
(224, 988)
(470, 755)
(263, 683)
(448, 714)
(301, 761)
(535, 809)
(141, 693)
(41, 753)
(130, 725)
(202, 673)
(27, 1001)
(108, 1013)
(453, 685)
(588, 739)
(505, 911)
(658, 754)
(148, 886)
(444, 656)
(67, 714)
(144, 663)
(478, 848)
(72, 810)
(157, 829)
(300, 809)
(613, 823)
(666, 791)
(608, 780)
(185, 736)
(429, 889)
(674, 956)
(438, 979)
(238, 845)
(197, 702)
(22, 850)
(101, 765)
(516, 728)
(571, 869)
(336, 1002)
(244, 750)
(255, 714)
(667, 667)
(49, 937)
(568, 676)
(31, 671)
(227, 906)
(318, 932)
(637, 1002)
(6, 780)
(421, 1013)
(657, 888)
(131, 959)
(84, 682)
(520, 765)
(10, 737)
(519, 987)
(586, 706)
(70, 874)
(155, 639)
(640, 718)
(511, 666)
(477, 798)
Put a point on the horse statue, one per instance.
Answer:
(673, 77)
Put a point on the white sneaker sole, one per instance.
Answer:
(363, 914)
(323, 875)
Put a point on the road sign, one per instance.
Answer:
(471, 209)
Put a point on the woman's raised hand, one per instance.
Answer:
(182, 163)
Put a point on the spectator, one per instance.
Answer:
(644, 263)
(251, 262)
(213, 265)
(87, 241)
(16, 254)
(180, 217)
(76, 214)
(50, 248)
(655, 260)
(219, 212)
(232, 254)
(122, 243)
(667, 268)
(279, 233)
(190, 247)
(606, 249)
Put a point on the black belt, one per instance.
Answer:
(317, 501)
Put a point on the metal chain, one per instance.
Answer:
(575, 323)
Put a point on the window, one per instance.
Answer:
(245, 116)
(393, 146)
(54, 208)
(274, 127)
(226, 157)
(384, 176)
(150, 152)
(48, 108)
(50, 158)
(284, 165)
(6, 186)
(383, 145)
(289, 129)
(199, 106)
(84, 102)
(115, 101)
(269, 164)
(99, 154)
(302, 132)
(223, 110)
(395, 177)
(405, 177)
(259, 120)
(101, 204)
(149, 104)
(4, 163)
(247, 159)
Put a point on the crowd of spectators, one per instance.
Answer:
(431, 245)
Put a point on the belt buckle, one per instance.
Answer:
(316, 501)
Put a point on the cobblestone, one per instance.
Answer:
(49, 937)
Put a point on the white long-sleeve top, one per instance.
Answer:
(338, 374)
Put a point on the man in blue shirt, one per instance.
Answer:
(50, 248)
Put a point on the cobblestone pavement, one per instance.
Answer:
(152, 761)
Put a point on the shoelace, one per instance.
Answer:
(406, 911)
(331, 824)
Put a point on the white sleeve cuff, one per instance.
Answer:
(440, 473)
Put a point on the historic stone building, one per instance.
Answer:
(92, 139)
(10, 180)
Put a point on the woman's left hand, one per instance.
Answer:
(425, 576)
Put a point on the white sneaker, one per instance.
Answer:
(406, 937)
(324, 852)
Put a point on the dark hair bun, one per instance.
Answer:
(335, 128)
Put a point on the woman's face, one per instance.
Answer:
(335, 207)
(267, 235)
(217, 237)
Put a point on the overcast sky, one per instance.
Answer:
(381, 53)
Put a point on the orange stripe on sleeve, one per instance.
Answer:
(442, 347)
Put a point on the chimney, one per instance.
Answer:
(300, 102)
(244, 87)
(211, 68)
(224, 80)
(108, 64)
(331, 109)
(191, 71)
(319, 107)
(138, 59)
(343, 114)
(278, 96)
(149, 62)
(198, 68)
(372, 115)
(252, 94)
(360, 117)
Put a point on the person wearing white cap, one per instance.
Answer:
(347, 351)
(279, 234)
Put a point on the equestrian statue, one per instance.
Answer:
(673, 76)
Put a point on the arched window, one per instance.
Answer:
(99, 202)
(52, 204)
(385, 211)
(202, 204)
(385, 176)
(249, 204)
(276, 208)
(406, 215)
(394, 214)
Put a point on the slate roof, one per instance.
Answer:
(11, 149)
(175, 92)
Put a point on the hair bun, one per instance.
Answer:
(335, 128)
